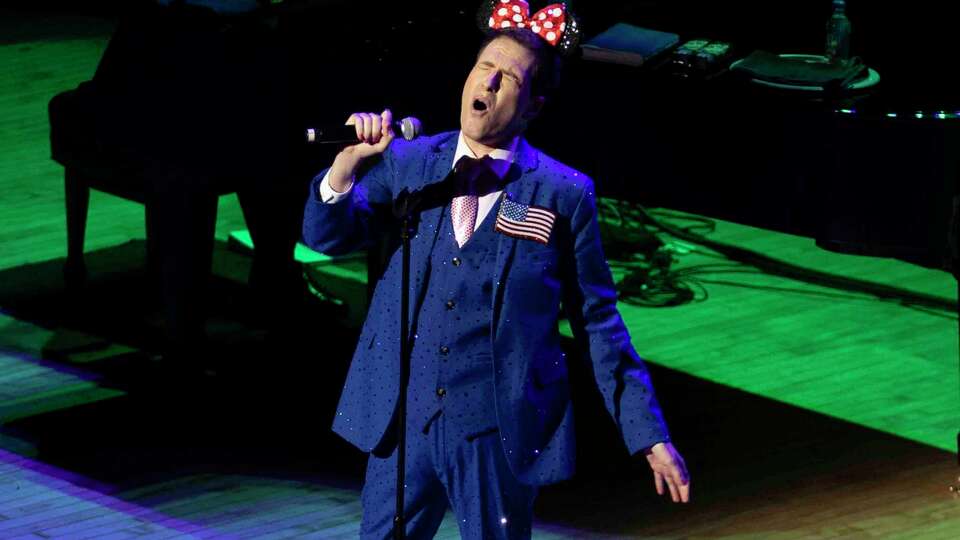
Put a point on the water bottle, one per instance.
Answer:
(838, 32)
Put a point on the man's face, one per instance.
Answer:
(496, 103)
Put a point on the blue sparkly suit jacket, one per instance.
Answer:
(531, 280)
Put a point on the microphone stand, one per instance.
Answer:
(404, 208)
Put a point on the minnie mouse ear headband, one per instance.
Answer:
(554, 23)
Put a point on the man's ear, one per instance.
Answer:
(536, 105)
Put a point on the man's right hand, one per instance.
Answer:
(375, 133)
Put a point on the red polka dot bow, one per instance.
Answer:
(548, 23)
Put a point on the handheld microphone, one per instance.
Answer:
(410, 128)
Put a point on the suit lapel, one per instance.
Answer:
(522, 188)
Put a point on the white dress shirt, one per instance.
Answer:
(502, 158)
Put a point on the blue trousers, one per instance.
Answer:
(470, 474)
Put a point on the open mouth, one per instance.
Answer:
(479, 105)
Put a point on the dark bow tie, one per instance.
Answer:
(476, 176)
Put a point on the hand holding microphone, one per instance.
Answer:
(410, 128)
(374, 133)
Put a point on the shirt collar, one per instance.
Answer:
(502, 157)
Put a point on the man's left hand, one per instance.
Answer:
(668, 468)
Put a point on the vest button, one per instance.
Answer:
(451, 304)
(456, 261)
(441, 392)
(444, 349)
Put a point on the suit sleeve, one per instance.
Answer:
(351, 223)
(590, 302)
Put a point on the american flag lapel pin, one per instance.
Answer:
(523, 221)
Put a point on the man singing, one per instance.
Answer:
(489, 413)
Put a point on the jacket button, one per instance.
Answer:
(441, 392)
(451, 304)
(444, 349)
(456, 261)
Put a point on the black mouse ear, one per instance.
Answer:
(570, 38)
(485, 16)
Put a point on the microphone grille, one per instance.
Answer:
(411, 128)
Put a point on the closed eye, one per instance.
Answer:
(486, 66)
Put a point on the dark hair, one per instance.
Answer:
(546, 69)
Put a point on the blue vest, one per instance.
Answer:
(451, 368)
